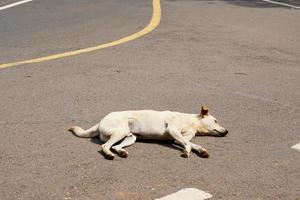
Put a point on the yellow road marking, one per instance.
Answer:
(155, 20)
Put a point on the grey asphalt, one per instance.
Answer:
(240, 58)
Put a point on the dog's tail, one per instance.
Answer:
(89, 133)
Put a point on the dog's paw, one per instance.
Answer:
(109, 156)
(203, 154)
(123, 154)
(185, 154)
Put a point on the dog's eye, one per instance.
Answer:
(216, 121)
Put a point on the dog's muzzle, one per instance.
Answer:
(222, 134)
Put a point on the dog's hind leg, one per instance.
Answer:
(129, 140)
(114, 138)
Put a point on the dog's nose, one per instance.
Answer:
(225, 133)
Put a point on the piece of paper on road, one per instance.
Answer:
(187, 194)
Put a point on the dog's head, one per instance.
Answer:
(209, 125)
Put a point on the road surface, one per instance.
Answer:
(240, 58)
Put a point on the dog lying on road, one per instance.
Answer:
(127, 126)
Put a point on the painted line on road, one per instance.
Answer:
(14, 4)
(296, 146)
(283, 4)
(187, 194)
(155, 20)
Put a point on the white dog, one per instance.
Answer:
(127, 126)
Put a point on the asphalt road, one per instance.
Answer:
(241, 58)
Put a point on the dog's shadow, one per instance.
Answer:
(163, 143)
(96, 140)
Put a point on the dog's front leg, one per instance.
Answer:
(173, 131)
(202, 152)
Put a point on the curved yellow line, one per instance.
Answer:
(155, 20)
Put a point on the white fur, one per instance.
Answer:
(150, 124)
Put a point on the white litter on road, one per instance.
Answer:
(14, 4)
(283, 4)
(187, 194)
(296, 146)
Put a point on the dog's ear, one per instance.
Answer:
(204, 111)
